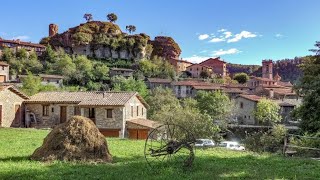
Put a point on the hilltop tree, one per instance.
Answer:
(267, 112)
(309, 88)
(131, 28)
(88, 17)
(112, 17)
(241, 77)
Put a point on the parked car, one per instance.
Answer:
(204, 143)
(232, 145)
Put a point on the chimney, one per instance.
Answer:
(271, 94)
(53, 30)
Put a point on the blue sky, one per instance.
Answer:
(243, 32)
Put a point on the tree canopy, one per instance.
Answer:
(241, 77)
(112, 17)
(120, 83)
(267, 112)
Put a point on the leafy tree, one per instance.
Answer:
(309, 88)
(112, 17)
(131, 28)
(84, 70)
(160, 97)
(241, 77)
(120, 83)
(267, 112)
(7, 54)
(31, 84)
(156, 67)
(88, 17)
(216, 104)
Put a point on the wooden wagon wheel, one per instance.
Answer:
(170, 144)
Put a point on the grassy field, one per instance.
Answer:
(16, 145)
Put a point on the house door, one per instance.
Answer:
(17, 117)
(0, 115)
(2, 78)
(138, 133)
(63, 114)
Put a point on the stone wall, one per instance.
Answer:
(54, 113)
(8, 101)
(109, 123)
(4, 71)
(246, 112)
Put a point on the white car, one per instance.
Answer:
(204, 143)
(232, 145)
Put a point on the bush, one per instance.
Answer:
(312, 141)
(269, 141)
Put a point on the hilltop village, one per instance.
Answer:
(112, 55)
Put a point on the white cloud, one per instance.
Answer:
(214, 40)
(227, 34)
(221, 52)
(222, 30)
(279, 35)
(21, 37)
(196, 58)
(242, 34)
(203, 36)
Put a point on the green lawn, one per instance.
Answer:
(16, 145)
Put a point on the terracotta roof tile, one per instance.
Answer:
(145, 123)
(251, 97)
(191, 83)
(210, 87)
(158, 80)
(2, 63)
(14, 90)
(285, 84)
(22, 43)
(96, 98)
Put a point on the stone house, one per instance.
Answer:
(183, 89)
(110, 111)
(4, 72)
(196, 70)
(17, 44)
(218, 66)
(121, 72)
(153, 83)
(46, 79)
(247, 104)
(179, 64)
(11, 106)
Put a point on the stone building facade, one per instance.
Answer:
(4, 72)
(11, 107)
(196, 70)
(108, 110)
(219, 67)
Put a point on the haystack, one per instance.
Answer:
(78, 139)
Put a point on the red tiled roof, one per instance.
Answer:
(14, 90)
(264, 79)
(145, 123)
(210, 87)
(22, 43)
(159, 80)
(282, 91)
(213, 59)
(251, 97)
(191, 83)
(285, 84)
(93, 98)
(235, 85)
(2, 63)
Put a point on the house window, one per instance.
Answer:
(142, 111)
(109, 113)
(137, 110)
(45, 110)
(2, 68)
(76, 110)
(52, 109)
(245, 117)
(92, 113)
(249, 117)
(241, 105)
(131, 111)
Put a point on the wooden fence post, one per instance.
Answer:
(285, 145)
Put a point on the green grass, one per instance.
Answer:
(16, 145)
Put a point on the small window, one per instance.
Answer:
(137, 110)
(45, 110)
(2, 67)
(131, 111)
(241, 105)
(142, 111)
(76, 111)
(109, 113)
(248, 117)
(52, 109)
(245, 117)
(92, 113)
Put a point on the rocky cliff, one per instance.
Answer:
(105, 40)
